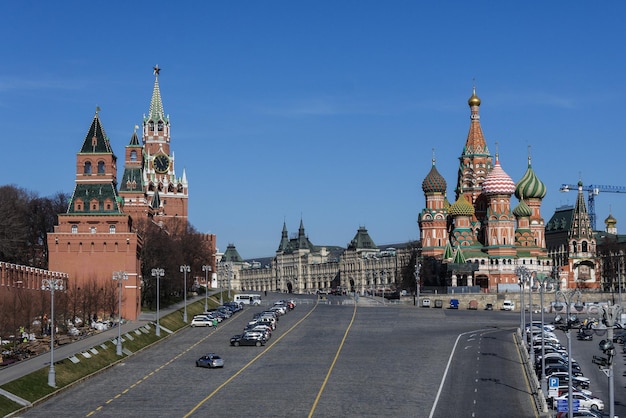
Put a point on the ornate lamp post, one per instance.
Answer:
(158, 273)
(206, 269)
(120, 276)
(51, 285)
(567, 296)
(543, 283)
(185, 269)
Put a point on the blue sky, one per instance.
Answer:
(325, 111)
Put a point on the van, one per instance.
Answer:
(248, 299)
(508, 305)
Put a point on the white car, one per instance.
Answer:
(201, 321)
(585, 401)
(508, 305)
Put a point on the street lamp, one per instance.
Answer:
(119, 276)
(51, 285)
(158, 273)
(525, 276)
(543, 283)
(522, 321)
(610, 313)
(206, 269)
(185, 269)
(568, 296)
(417, 283)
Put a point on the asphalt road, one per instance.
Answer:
(327, 359)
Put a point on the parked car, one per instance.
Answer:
(246, 339)
(201, 321)
(473, 304)
(426, 303)
(210, 361)
(585, 401)
(555, 368)
(454, 304)
(508, 305)
(579, 382)
(489, 307)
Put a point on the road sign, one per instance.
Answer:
(553, 387)
(561, 405)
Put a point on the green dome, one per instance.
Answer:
(434, 182)
(529, 186)
(522, 210)
(461, 207)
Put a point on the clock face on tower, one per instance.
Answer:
(161, 163)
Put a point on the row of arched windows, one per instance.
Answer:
(87, 169)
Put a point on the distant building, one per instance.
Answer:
(299, 266)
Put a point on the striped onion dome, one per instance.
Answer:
(530, 186)
(461, 207)
(498, 182)
(434, 182)
(522, 210)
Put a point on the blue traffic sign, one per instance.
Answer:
(554, 382)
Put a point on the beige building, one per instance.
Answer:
(299, 266)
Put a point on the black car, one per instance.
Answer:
(246, 339)
(489, 307)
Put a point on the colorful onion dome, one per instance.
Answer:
(434, 182)
(522, 210)
(474, 100)
(530, 186)
(461, 207)
(498, 182)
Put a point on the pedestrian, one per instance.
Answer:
(215, 323)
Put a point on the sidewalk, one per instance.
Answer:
(32, 364)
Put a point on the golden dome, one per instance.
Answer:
(474, 100)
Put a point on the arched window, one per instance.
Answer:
(151, 125)
(87, 167)
(111, 229)
(584, 247)
(74, 229)
(160, 126)
(133, 155)
(100, 167)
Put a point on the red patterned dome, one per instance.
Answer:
(498, 182)
(434, 182)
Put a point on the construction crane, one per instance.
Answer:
(592, 191)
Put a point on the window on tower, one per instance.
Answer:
(160, 126)
(87, 167)
(100, 167)
(74, 229)
(133, 155)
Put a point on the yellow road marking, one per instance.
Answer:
(332, 366)
(230, 379)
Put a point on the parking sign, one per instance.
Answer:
(553, 388)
